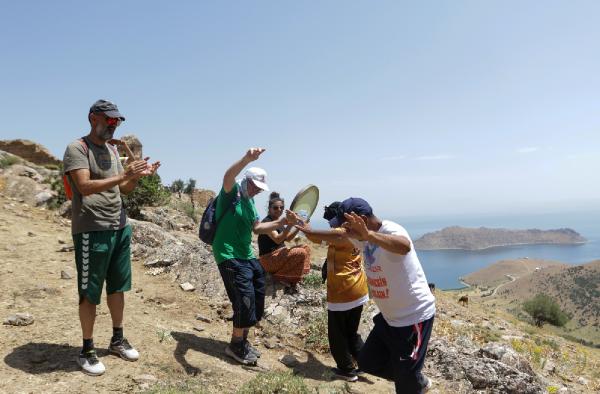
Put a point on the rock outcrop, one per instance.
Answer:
(200, 197)
(30, 151)
(27, 182)
(495, 368)
(134, 144)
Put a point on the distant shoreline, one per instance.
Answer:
(507, 245)
(465, 286)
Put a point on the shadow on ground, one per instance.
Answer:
(209, 346)
(39, 358)
(312, 368)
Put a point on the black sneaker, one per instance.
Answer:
(241, 354)
(348, 376)
(251, 349)
(359, 371)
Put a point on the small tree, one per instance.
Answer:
(57, 185)
(543, 308)
(189, 188)
(177, 186)
(149, 192)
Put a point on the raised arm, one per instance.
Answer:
(292, 234)
(229, 178)
(267, 227)
(288, 233)
(357, 229)
(332, 237)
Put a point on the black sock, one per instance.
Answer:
(117, 334)
(237, 340)
(246, 331)
(88, 344)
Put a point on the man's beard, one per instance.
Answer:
(105, 133)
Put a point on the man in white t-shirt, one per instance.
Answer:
(396, 347)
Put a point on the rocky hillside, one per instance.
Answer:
(179, 318)
(575, 288)
(502, 271)
(482, 238)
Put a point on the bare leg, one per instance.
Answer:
(87, 317)
(116, 305)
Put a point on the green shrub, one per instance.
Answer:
(149, 193)
(57, 185)
(313, 280)
(190, 211)
(316, 332)
(177, 186)
(189, 188)
(187, 208)
(542, 309)
(275, 382)
(8, 161)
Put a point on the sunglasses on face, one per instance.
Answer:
(112, 121)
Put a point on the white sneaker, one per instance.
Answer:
(124, 350)
(90, 364)
(428, 385)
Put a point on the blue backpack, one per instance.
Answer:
(209, 221)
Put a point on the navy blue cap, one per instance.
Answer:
(106, 107)
(352, 204)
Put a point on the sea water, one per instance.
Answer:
(445, 267)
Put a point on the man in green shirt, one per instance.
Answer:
(243, 275)
(101, 234)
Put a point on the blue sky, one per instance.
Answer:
(422, 108)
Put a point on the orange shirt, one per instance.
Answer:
(346, 279)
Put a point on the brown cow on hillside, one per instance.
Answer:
(464, 300)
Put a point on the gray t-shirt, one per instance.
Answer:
(98, 211)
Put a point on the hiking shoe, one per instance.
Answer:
(241, 354)
(348, 376)
(124, 350)
(252, 349)
(90, 364)
(428, 384)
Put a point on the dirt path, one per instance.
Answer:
(512, 279)
(160, 321)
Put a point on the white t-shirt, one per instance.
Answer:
(397, 282)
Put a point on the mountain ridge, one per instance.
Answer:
(469, 238)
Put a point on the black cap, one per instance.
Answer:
(352, 204)
(106, 107)
(331, 210)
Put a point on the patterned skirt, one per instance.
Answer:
(287, 264)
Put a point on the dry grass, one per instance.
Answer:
(537, 345)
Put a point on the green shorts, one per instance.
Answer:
(100, 256)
